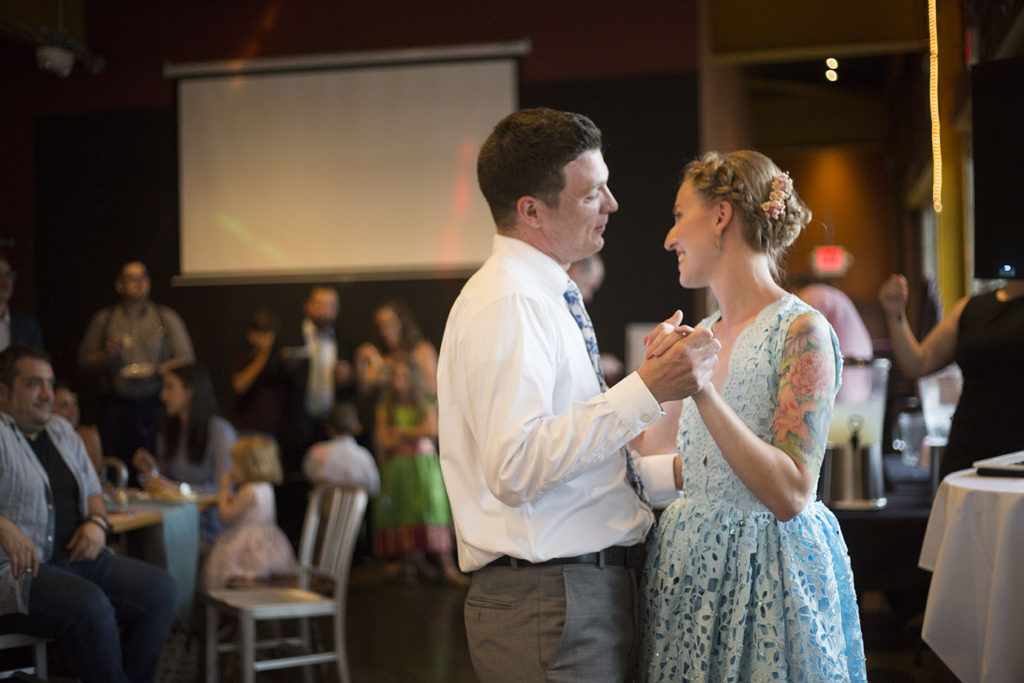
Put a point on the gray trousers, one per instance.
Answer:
(551, 623)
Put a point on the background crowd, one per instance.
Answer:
(307, 410)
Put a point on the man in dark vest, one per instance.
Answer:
(128, 346)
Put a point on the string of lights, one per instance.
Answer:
(933, 104)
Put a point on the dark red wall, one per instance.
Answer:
(88, 167)
(572, 40)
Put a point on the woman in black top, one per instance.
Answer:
(984, 335)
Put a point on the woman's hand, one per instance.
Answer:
(144, 461)
(157, 483)
(368, 366)
(369, 354)
(662, 337)
(263, 340)
(893, 296)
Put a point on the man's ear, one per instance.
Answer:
(529, 210)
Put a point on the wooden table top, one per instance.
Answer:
(143, 511)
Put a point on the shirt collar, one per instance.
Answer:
(13, 426)
(310, 330)
(550, 274)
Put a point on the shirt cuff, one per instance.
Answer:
(657, 472)
(634, 403)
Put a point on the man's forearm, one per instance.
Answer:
(96, 505)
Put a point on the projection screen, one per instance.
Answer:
(366, 171)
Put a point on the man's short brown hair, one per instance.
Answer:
(526, 155)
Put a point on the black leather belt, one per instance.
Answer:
(616, 556)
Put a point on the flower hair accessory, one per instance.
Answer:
(782, 187)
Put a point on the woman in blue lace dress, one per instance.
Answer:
(748, 577)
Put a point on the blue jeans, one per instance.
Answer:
(81, 606)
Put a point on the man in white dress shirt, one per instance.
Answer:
(531, 448)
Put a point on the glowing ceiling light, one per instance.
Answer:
(933, 104)
(832, 75)
(832, 63)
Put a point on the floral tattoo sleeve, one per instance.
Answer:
(806, 391)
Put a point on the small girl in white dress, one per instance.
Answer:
(253, 548)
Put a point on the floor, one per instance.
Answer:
(400, 634)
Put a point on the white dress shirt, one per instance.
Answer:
(342, 460)
(530, 447)
(322, 350)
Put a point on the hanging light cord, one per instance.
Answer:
(933, 104)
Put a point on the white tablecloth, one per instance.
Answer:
(974, 545)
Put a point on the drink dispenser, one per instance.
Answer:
(940, 393)
(852, 473)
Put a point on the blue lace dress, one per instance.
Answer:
(730, 593)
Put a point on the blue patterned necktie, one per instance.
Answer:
(579, 314)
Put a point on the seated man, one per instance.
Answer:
(57, 577)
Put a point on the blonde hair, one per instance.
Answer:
(258, 459)
(744, 179)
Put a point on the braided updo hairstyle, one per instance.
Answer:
(744, 179)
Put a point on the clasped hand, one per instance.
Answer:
(86, 543)
(678, 360)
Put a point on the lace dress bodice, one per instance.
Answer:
(751, 389)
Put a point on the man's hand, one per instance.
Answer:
(684, 365)
(19, 548)
(87, 542)
(113, 345)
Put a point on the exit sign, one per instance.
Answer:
(832, 260)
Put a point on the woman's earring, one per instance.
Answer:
(718, 244)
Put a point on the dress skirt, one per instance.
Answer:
(412, 511)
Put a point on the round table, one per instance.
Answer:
(974, 547)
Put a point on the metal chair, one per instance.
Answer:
(333, 518)
(12, 640)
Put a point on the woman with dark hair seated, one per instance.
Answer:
(193, 445)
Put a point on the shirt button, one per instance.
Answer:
(647, 417)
